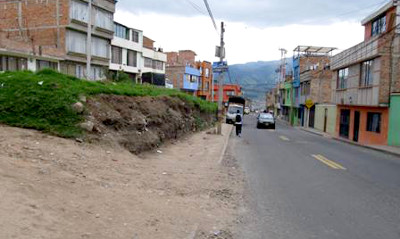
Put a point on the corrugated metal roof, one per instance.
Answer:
(314, 49)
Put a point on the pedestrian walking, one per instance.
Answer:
(238, 123)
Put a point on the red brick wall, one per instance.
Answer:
(368, 27)
(38, 32)
(148, 43)
(175, 74)
(187, 57)
(236, 88)
(307, 61)
(172, 58)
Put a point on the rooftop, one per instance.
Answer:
(377, 13)
(314, 49)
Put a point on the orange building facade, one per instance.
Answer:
(228, 90)
(367, 125)
(205, 84)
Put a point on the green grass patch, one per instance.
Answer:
(43, 100)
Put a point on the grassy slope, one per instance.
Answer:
(47, 107)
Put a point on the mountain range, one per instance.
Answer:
(256, 78)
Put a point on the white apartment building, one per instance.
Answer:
(135, 55)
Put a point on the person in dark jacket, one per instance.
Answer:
(238, 124)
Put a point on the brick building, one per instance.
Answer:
(53, 34)
(228, 90)
(206, 80)
(366, 82)
(182, 72)
(311, 82)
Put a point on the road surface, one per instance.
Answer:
(302, 185)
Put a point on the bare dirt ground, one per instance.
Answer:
(57, 188)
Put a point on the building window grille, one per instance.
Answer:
(132, 58)
(76, 42)
(135, 36)
(104, 19)
(366, 73)
(343, 75)
(116, 55)
(374, 122)
(378, 26)
(79, 11)
(121, 31)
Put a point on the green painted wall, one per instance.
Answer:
(288, 94)
(394, 121)
(320, 118)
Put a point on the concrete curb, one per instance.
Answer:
(226, 141)
(367, 146)
(314, 132)
(350, 142)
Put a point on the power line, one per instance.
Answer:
(211, 15)
(197, 7)
(365, 8)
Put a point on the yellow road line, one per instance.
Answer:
(328, 162)
(284, 138)
(333, 162)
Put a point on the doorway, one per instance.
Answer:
(344, 123)
(311, 119)
(356, 126)
(325, 119)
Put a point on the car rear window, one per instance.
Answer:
(266, 116)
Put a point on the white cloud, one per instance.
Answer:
(243, 43)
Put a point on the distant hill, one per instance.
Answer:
(256, 78)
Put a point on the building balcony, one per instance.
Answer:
(358, 53)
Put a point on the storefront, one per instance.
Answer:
(366, 125)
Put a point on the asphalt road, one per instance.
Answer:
(302, 185)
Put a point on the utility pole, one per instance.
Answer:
(221, 81)
(89, 42)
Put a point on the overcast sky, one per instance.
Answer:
(255, 29)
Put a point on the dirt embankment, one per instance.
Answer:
(55, 188)
(142, 123)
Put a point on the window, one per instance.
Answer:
(100, 47)
(207, 86)
(135, 36)
(104, 19)
(378, 26)
(207, 72)
(366, 73)
(148, 63)
(10, 63)
(97, 73)
(374, 122)
(80, 71)
(158, 65)
(121, 31)
(76, 42)
(230, 93)
(79, 11)
(116, 55)
(305, 88)
(343, 75)
(40, 65)
(132, 58)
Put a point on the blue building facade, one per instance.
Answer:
(191, 79)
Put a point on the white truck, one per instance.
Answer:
(235, 104)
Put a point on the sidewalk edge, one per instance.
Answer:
(226, 141)
(350, 142)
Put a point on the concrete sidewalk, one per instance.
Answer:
(381, 148)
